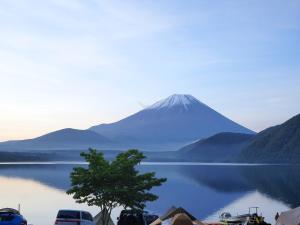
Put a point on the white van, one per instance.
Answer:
(73, 217)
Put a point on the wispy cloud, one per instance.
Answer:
(95, 59)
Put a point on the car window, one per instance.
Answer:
(66, 214)
(131, 219)
(87, 216)
(6, 218)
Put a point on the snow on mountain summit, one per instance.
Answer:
(175, 100)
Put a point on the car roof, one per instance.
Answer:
(9, 210)
(73, 210)
(133, 211)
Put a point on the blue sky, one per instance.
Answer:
(69, 63)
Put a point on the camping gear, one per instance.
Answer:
(172, 212)
(181, 219)
(290, 217)
(251, 218)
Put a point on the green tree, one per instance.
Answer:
(110, 184)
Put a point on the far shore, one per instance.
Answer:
(152, 158)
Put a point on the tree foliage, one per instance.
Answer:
(111, 184)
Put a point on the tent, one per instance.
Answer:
(290, 217)
(98, 219)
(172, 212)
(181, 219)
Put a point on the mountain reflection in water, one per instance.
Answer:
(204, 190)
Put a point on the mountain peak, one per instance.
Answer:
(168, 123)
(184, 100)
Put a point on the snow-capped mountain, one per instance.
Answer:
(166, 125)
(184, 101)
(176, 120)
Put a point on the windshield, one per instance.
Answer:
(6, 218)
(66, 214)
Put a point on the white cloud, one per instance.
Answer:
(98, 57)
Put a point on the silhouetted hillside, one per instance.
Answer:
(276, 144)
(220, 147)
(62, 139)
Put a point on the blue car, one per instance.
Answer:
(11, 217)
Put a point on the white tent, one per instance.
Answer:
(290, 217)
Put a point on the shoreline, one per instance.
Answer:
(149, 163)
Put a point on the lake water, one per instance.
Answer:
(206, 190)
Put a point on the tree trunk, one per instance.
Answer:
(105, 216)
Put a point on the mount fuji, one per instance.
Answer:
(174, 121)
(168, 124)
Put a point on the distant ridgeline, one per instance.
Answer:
(278, 144)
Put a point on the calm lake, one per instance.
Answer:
(206, 190)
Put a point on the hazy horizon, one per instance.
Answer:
(144, 107)
(69, 63)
